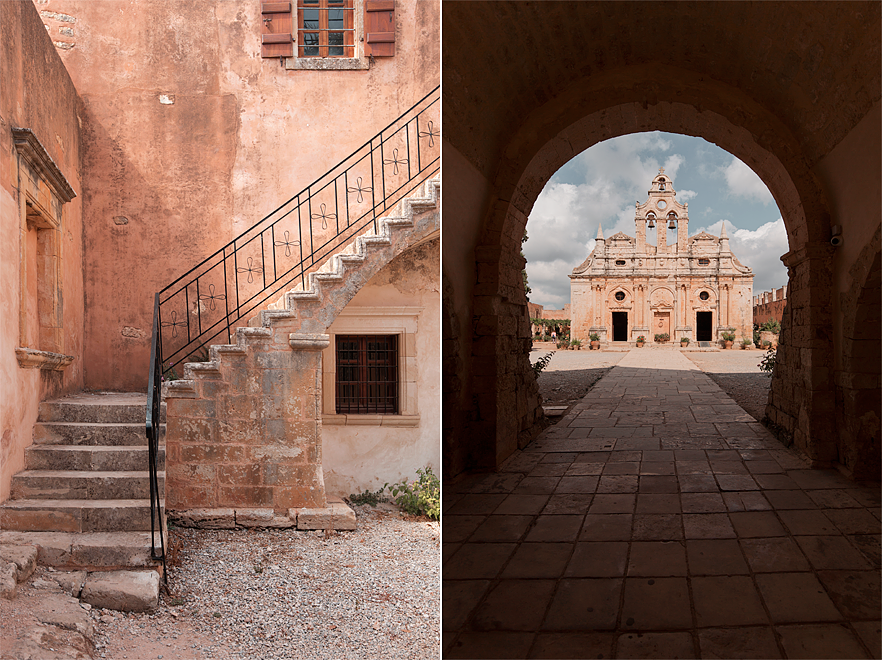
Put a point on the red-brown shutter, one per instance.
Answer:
(379, 28)
(277, 29)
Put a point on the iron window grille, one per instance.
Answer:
(367, 374)
(325, 28)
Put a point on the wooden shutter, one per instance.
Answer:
(379, 28)
(276, 29)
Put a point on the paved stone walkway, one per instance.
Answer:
(659, 520)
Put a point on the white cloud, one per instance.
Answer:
(684, 196)
(743, 182)
(759, 249)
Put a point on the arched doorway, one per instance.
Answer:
(500, 153)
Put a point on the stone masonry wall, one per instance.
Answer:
(250, 437)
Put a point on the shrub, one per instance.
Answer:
(541, 363)
(421, 497)
(728, 336)
(767, 364)
(772, 325)
(662, 337)
(563, 343)
(641, 338)
(684, 340)
(369, 497)
(594, 336)
(746, 342)
(576, 342)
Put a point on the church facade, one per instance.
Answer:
(683, 286)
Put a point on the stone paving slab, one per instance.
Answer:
(657, 520)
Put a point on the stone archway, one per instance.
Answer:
(501, 152)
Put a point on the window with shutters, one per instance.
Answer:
(367, 374)
(328, 34)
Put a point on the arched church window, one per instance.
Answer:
(620, 295)
(704, 295)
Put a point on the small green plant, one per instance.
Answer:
(541, 363)
(684, 341)
(756, 335)
(728, 336)
(767, 364)
(594, 336)
(662, 337)
(641, 339)
(767, 344)
(216, 615)
(772, 325)
(372, 498)
(576, 343)
(746, 342)
(176, 601)
(421, 497)
(258, 569)
(563, 344)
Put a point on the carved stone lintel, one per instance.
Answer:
(27, 144)
(29, 358)
(300, 341)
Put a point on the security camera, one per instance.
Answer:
(836, 238)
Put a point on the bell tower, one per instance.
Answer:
(662, 211)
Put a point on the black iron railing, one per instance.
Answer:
(154, 403)
(280, 251)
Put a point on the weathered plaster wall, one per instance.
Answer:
(357, 457)
(192, 137)
(37, 93)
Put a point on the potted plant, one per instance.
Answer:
(640, 341)
(595, 341)
(746, 343)
(728, 339)
(661, 338)
(684, 342)
(576, 344)
(563, 344)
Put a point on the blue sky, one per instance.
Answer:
(600, 186)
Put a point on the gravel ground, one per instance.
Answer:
(570, 375)
(371, 593)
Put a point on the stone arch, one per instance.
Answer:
(858, 387)
(552, 136)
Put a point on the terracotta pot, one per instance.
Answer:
(728, 344)
(640, 344)
(684, 344)
(595, 345)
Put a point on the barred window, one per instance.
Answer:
(367, 374)
(325, 28)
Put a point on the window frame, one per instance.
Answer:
(323, 30)
(374, 390)
(358, 60)
(371, 320)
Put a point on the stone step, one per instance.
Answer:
(88, 550)
(101, 408)
(42, 515)
(89, 433)
(88, 457)
(74, 484)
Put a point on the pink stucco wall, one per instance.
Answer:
(38, 94)
(191, 137)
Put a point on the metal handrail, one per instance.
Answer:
(153, 430)
(283, 248)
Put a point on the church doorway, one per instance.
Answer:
(620, 326)
(704, 326)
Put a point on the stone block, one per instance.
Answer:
(204, 518)
(126, 591)
(213, 453)
(7, 580)
(24, 557)
(239, 475)
(65, 612)
(71, 582)
(245, 496)
(262, 518)
(336, 515)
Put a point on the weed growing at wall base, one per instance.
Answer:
(421, 497)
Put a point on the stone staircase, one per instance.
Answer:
(83, 499)
(298, 320)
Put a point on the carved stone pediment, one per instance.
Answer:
(703, 236)
(621, 237)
